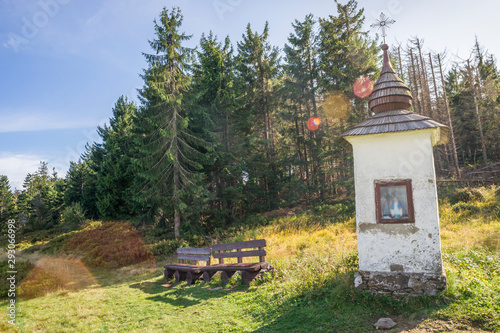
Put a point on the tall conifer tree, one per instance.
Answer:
(257, 65)
(168, 156)
(214, 96)
(300, 90)
(116, 174)
(346, 53)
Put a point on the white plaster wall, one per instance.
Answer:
(389, 156)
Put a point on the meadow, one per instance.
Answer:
(310, 290)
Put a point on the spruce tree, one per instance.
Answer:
(257, 71)
(167, 156)
(42, 198)
(82, 187)
(116, 173)
(346, 53)
(213, 112)
(300, 100)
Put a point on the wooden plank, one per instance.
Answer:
(178, 266)
(185, 268)
(193, 257)
(193, 251)
(239, 245)
(234, 267)
(239, 254)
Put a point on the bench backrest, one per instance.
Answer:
(194, 255)
(219, 251)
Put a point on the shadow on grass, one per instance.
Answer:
(180, 294)
(130, 274)
(337, 306)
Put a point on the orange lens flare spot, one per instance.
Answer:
(363, 87)
(335, 105)
(313, 123)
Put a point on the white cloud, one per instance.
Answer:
(17, 166)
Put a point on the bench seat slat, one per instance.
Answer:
(256, 253)
(185, 268)
(239, 245)
(251, 267)
(200, 251)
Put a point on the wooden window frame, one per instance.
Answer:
(409, 198)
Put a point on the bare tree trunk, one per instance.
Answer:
(478, 115)
(425, 81)
(400, 64)
(412, 88)
(435, 115)
(415, 84)
(436, 95)
(450, 123)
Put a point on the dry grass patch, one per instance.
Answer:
(56, 274)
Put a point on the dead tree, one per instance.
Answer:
(450, 122)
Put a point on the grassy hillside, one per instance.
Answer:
(310, 290)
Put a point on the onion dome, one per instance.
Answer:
(389, 92)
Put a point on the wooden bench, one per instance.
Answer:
(190, 272)
(249, 271)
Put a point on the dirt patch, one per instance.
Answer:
(408, 325)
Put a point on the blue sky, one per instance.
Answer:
(64, 63)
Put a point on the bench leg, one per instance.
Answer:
(168, 273)
(179, 276)
(207, 276)
(192, 277)
(225, 276)
(247, 277)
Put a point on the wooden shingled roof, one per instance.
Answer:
(389, 92)
(390, 101)
(397, 121)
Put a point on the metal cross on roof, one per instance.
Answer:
(383, 23)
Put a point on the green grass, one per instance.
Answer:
(310, 290)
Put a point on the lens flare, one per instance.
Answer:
(363, 87)
(56, 274)
(335, 105)
(313, 123)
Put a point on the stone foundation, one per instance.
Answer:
(400, 283)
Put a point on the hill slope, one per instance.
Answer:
(310, 290)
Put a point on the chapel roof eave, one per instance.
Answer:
(397, 121)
